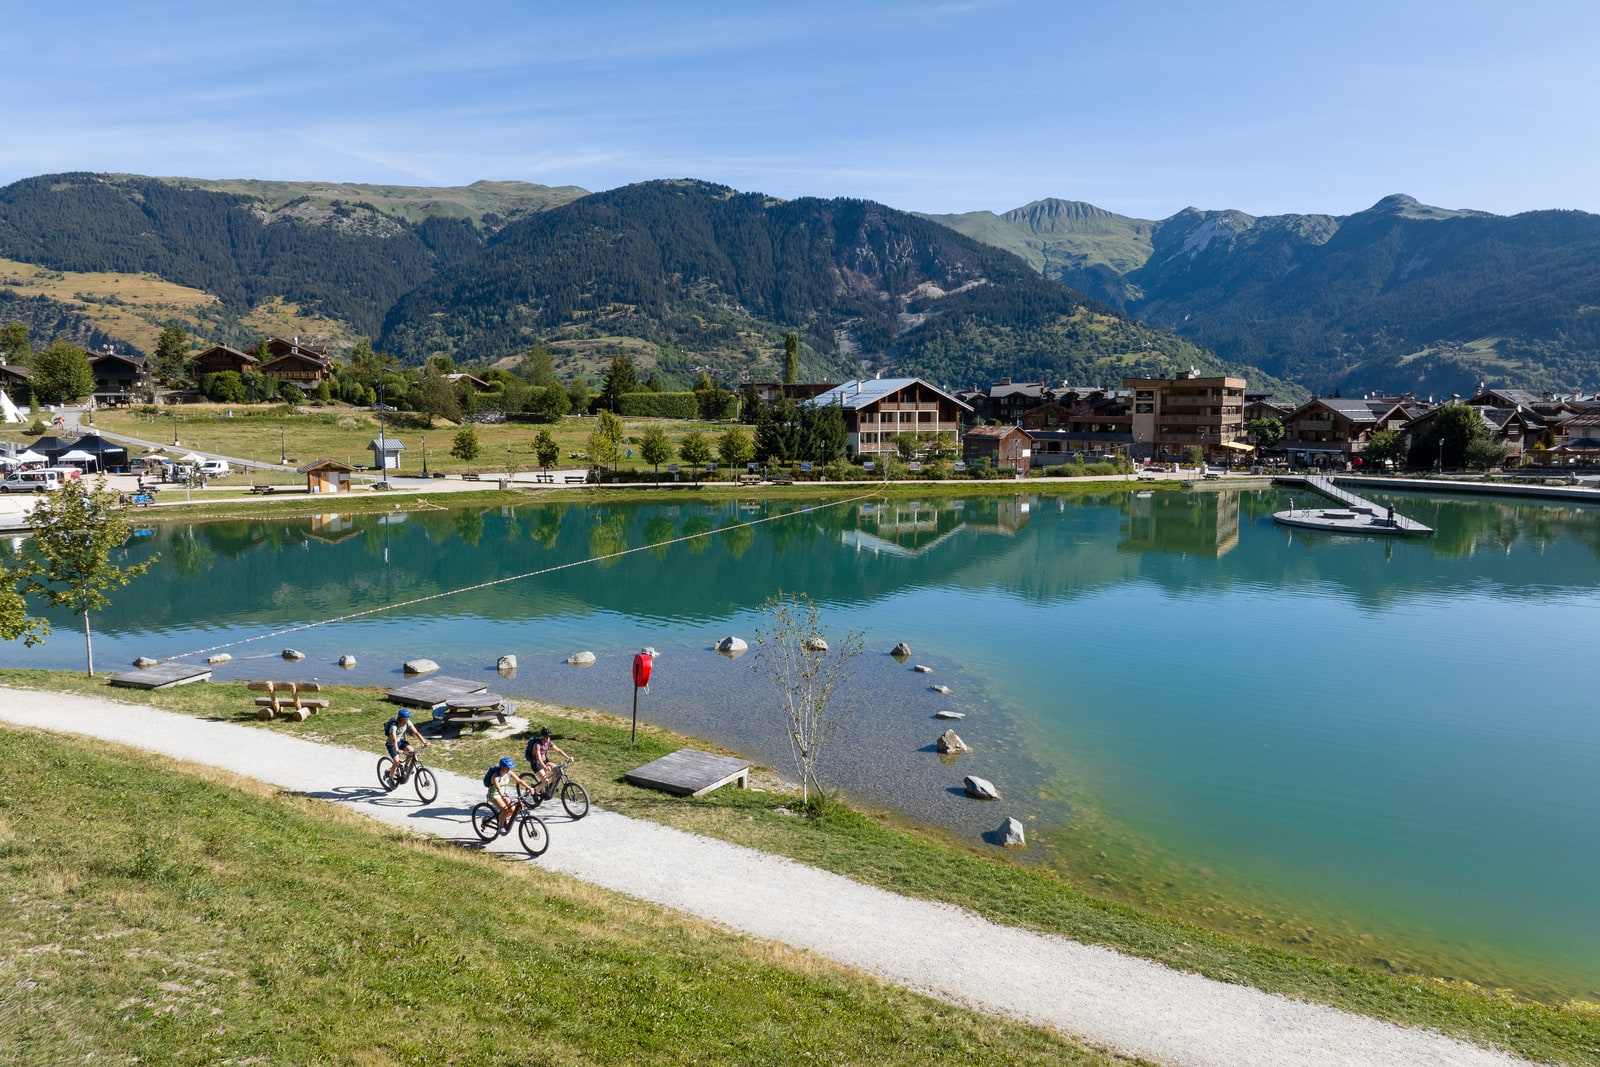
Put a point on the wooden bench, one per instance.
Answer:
(749, 479)
(576, 478)
(284, 698)
(470, 478)
(142, 500)
(783, 480)
(547, 478)
(262, 490)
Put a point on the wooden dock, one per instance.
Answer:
(162, 676)
(689, 772)
(433, 692)
(1357, 516)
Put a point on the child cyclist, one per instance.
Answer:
(538, 755)
(496, 781)
(394, 739)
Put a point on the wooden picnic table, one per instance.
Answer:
(263, 489)
(475, 709)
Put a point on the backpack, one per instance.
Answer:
(395, 727)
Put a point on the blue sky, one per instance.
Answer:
(948, 105)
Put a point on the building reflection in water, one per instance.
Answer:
(911, 528)
(1197, 523)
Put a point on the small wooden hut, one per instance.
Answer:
(327, 476)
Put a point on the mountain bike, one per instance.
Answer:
(574, 797)
(391, 775)
(531, 831)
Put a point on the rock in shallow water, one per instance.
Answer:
(293, 653)
(921, 669)
(420, 666)
(980, 788)
(950, 741)
(219, 659)
(816, 644)
(940, 688)
(1011, 833)
(143, 662)
(732, 644)
(901, 651)
(506, 663)
(347, 660)
(949, 714)
(581, 659)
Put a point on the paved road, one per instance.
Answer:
(1118, 1002)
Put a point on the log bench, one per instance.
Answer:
(287, 699)
(262, 490)
(470, 478)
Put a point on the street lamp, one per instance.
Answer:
(1441, 453)
(424, 455)
(174, 427)
(283, 451)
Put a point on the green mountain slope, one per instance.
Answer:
(485, 204)
(1400, 297)
(686, 264)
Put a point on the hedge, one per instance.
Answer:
(674, 406)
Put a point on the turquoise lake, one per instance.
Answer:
(1381, 751)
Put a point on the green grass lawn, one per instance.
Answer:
(167, 915)
(876, 849)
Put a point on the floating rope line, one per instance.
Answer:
(510, 578)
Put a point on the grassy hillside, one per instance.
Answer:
(485, 204)
(175, 916)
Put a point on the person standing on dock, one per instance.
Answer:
(1391, 514)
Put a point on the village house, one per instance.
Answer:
(1335, 429)
(15, 380)
(1074, 426)
(117, 377)
(1171, 416)
(877, 410)
(1006, 401)
(219, 358)
(1002, 446)
(291, 361)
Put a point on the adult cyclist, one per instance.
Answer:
(496, 781)
(394, 739)
(538, 756)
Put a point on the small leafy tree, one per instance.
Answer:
(74, 531)
(1266, 432)
(15, 345)
(549, 403)
(466, 447)
(654, 448)
(695, 450)
(605, 440)
(62, 373)
(546, 450)
(735, 446)
(1383, 445)
(578, 394)
(908, 445)
(1482, 453)
(808, 673)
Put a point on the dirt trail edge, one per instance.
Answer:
(1113, 1001)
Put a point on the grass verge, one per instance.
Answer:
(173, 915)
(876, 849)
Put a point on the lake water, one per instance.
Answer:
(1381, 751)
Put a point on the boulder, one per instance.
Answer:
(980, 788)
(581, 659)
(948, 714)
(219, 658)
(506, 663)
(950, 741)
(144, 661)
(347, 660)
(816, 644)
(940, 688)
(901, 651)
(293, 653)
(732, 644)
(420, 666)
(1011, 835)
(922, 669)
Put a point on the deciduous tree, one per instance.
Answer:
(808, 672)
(546, 449)
(654, 448)
(75, 530)
(734, 446)
(465, 446)
(695, 450)
(61, 373)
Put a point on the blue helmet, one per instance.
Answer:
(506, 762)
(405, 713)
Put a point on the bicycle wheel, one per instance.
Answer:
(531, 831)
(427, 786)
(575, 798)
(386, 776)
(485, 821)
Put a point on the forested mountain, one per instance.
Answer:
(698, 266)
(684, 274)
(1399, 297)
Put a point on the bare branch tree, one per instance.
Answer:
(807, 672)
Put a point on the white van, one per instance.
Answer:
(34, 481)
(216, 468)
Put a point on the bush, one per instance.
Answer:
(659, 405)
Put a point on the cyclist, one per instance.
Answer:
(495, 781)
(538, 756)
(394, 739)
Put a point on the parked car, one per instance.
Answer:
(215, 468)
(34, 481)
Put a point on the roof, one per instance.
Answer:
(997, 432)
(324, 464)
(131, 360)
(246, 356)
(388, 444)
(864, 392)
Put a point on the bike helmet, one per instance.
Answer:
(405, 713)
(544, 731)
(506, 762)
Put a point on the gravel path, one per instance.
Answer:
(1107, 999)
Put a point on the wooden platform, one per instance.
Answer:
(433, 692)
(691, 773)
(1358, 515)
(162, 676)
